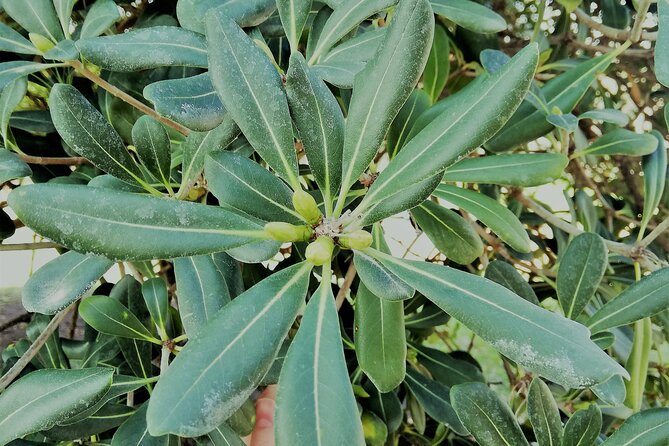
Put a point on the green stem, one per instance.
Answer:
(540, 20)
(637, 363)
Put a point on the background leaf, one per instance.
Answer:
(470, 15)
(544, 414)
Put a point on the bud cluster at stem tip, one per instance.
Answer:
(307, 207)
(319, 252)
(285, 232)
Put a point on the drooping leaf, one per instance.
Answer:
(506, 275)
(497, 217)
(43, 398)
(382, 88)
(654, 177)
(649, 427)
(245, 185)
(101, 15)
(470, 15)
(581, 269)
(565, 121)
(146, 48)
(87, 132)
(449, 232)
(153, 147)
(418, 102)
(621, 142)
(544, 414)
(528, 334)
(470, 118)
(609, 115)
(156, 299)
(108, 417)
(12, 167)
(379, 280)
(35, 16)
(228, 369)
(488, 419)
(294, 14)
(190, 101)
(248, 83)
(10, 97)
(135, 431)
(12, 41)
(319, 122)
(583, 427)
(121, 225)
(642, 299)
(192, 14)
(518, 169)
(314, 387)
(109, 316)
(62, 281)
(612, 391)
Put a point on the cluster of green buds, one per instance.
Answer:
(319, 233)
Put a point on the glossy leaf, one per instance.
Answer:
(153, 147)
(192, 14)
(358, 49)
(470, 118)
(609, 115)
(339, 73)
(314, 387)
(506, 275)
(156, 299)
(581, 269)
(245, 185)
(294, 14)
(435, 398)
(10, 98)
(62, 281)
(109, 316)
(228, 369)
(446, 368)
(43, 398)
(565, 121)
(469, 15)
(449, 232)
(662, 45)
(248, 83)
(497, 217)
(101, 15)
(386, 405)
(649, 427)
(583, 427)
(127, 226)
(135, 431)
(418, 102)
(12, 167)
(654, 177)
(35, 16)
(190, 101)
(87, 132)
(488, 419)
(109, 416)
(377, 96)
(622, 142)
(12, 41)
(544, 414)
(319, 122)
(642, 299)
(379, 280)
(528, 334)
(438, 64)
(146, 48)
(518, 169)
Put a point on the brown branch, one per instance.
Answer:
(54, 161)
(348, 281)
(29, 246)
(15, 321)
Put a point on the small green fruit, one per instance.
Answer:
(359, 240)
(285, 232)
(306, 206)
(320, 252)
(41, 43)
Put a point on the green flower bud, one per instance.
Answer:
(41, 43)
(359, 239)
(320, 252)
(285, 232)
(306, 206)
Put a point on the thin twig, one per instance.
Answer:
(659, 229)
(54, 161)
(610, 32)
(348, 281)
(25, 317)
(33, 349)
(638, 53)
(29, 246)
(637, 28)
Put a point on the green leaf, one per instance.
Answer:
(506, 275)
(649, 428)
(662, 44)
(379, 280)
(32, 121)
(338, 73)
(320, 125)
(136, 432)
(10, 98)
(101, 15)
(65, 50)
(109, 316)
(438, 64)
(418, 102)
(87, 132)
(13, 42)
(470, 15)
(612, 391)
(581, 269)
(385, 405)
(230, 355)
(583, 427)
(527, 334)
(382, 88)
(343, 20)
(64, 12)
(153, 147)
(609, 115)
(517, 169)
(621, 142)
(243, 184)
(563, 91)
(146, 48)
(248, 83)
(358, 49)
(565, 121)
(488, 419)
(294, 14)
(468, 120)
(642, 299)
(62, 281)
(192, 14)
(490, 212)
(375, 430)
(202, 288)
(450, 233)
(44, 398)
(570, 5)
(155, 296)
(12, 167)
(191, 101)
(108, 417)
(447, 369)
(544, 414)
(10, 71)
(654, 177)
(51, 355)
(586, 211)
(35, 16)
(127, 226)
(314, 387)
